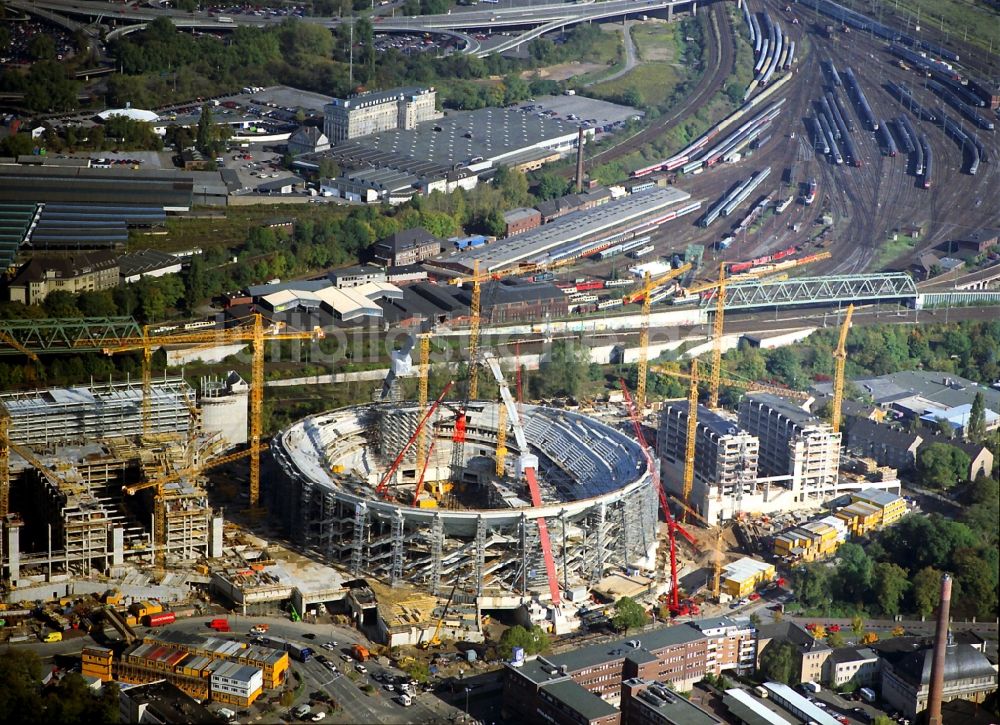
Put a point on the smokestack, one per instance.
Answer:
(940, 648)
(579, 161)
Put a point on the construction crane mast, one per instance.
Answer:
(425, 369)
(527, 466)
(718, 328)
(840, 355)
(646, 295)
(254, 333)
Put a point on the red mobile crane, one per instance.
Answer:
(676, 607)
(383, 485)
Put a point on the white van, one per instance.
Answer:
(227, 714)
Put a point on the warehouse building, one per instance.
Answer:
(641, 211)
(793, 443)
(369, 113)
(147, 263)
(517, 221)
(725, 459)
(173, 191)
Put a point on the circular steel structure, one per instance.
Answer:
(598, 499)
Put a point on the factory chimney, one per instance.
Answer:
(579, 161)
(940, 649)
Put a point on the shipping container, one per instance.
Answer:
(159, 620)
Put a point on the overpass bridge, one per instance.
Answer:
(830, 290)
(458, 23)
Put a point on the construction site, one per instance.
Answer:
(78, 463)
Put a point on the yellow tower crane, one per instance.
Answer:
(425, 371)
(645, 293)
(160, 500)
(501, 454)
(254, 333)
(840, 355)
(474, 322)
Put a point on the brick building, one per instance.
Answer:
(589, 679)
(521, 220)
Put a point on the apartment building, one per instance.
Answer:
(580, 685)
(725, 464)
(793, 443)
(78, 272)
(368, 113)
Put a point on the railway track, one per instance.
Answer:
(718, 63)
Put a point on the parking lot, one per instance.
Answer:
(591, 112)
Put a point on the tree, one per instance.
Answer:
(42, 47)
(869, 638)
(550, 186)
(532, 640)
(328, 169)
(898, 631)
(891, 583)
(494, 224)
(883, 720)
(941, 465)
(812, 586)
(564, 372)
(926, 590)
(778, 662)
(629, 614)
(835, 639)
(854, 573)
(976, 428)
(418, 670)
(204, 138)
(857, 625)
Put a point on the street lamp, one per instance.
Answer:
(467, 716)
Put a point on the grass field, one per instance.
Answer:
(656, 42)
(891, 249)
(652, 81)
(657, 75)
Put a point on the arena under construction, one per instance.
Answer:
(473, 530)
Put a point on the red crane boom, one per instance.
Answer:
(383, 485)
(674, 604)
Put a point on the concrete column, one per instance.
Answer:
(117, 546)
(14, 550)
(670, 13)
(215, 538)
